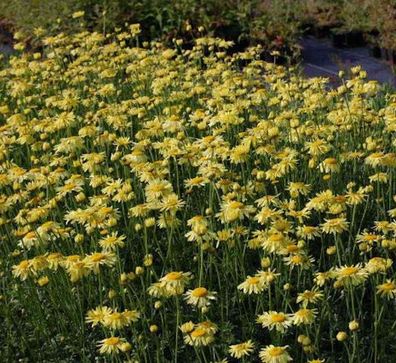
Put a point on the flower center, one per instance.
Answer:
(278, 318)
(173, 276)
(348, 271)
(112, 341)
(198, 333)
(253, 280)
(200, 292)
(97, 257)
(276, 352)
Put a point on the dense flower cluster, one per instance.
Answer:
(190, 205)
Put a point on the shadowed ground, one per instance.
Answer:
(320, 58)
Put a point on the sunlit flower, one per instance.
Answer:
(241, 350)
(199, 297)
(112, 345)
(335, 225)
(275, 354)
(387, 289)
(274, 320)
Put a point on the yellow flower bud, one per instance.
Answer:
(341, 336)
(153, 328)
(112, 294)
(148, 260)
(139, 270)
(353, 325)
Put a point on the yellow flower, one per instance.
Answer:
(97, 315)
(350, 275)
(22, 270)
(253, 285)
(353, 325)
(335, 225)
(110, 243)
(304, 316)
(341, 336)
(200, 297)
(94, 260)
(275, 242)
(42, 281)
(298, 188)
(309, 297)
(78, 14)
(274, 320)
(329, 165)
(233, 210)
(112, 345)
(118, 320)
(241, 350)
(387, 289)
(200, 334)
(378, 264)
(275, 354)
(172, 283)
(171, 203)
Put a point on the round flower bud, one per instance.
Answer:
(353, 325)
(341, 336)
(125, 347)
(265, 262)
(79, 238)
(153, 328)
(331, 250)
(286, 287)
(80, 197)
(309, 348)
(139, 270)
(301, 338)
(148, 260)
(42, 281)
(123, 278)
(305, 340)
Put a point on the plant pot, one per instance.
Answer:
(232, 32)
(321, 31)
(385, 54)
(375, 51)
(392, 57)
(348, 40)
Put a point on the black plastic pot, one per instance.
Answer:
(348, 40)
(375, 51)
(232, 32)
(321, 31)
(392, 57)
(385, 54)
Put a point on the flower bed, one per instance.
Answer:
(165, 205)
